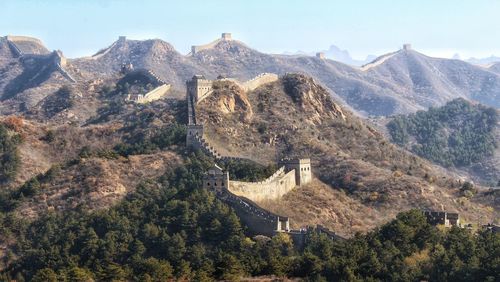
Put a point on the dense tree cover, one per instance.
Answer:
(173, 229)
(458, 133)
(147, 142)
(246, 170)
(9, 156)
(10, 199)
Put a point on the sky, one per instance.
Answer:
(363, 27)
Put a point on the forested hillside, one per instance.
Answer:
(458, 134)
(173, 229)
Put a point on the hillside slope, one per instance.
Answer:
(495, 67)
(296, 117)
(403, 82)
(459, 134)
(427, 81)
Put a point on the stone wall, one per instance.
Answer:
(22, 45)
(442, 217)
(155, 94)
(272, 188)
(259, 80)
(197, 48)
(258, 220)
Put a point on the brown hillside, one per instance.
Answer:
(296, 117)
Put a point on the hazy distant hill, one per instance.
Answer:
(484, 61)
(337, 54)
(427, 81)
(396, 83)
(495, 68)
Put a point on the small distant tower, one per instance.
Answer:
(198, 88)
(126, 68)
(407, 47)
(226, 36)
(320, 55)
(122, 38)
(59, 58)
(302, 169)
(216, 179)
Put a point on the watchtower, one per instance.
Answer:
(216, 179)
(320, 55)
(302, 169)
(407, 47)
(198, 88)
(59, 58)
(226, 36)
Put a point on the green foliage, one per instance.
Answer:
(244, 170)
(456, 134)
(9, 155)
(9, 199)
(173, 134)
(171, 229)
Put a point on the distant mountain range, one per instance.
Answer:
(400, 82)
(336, 54)
(479, 61)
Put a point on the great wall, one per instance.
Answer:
(240, 195)
(27, 48)
(197, 48)
(158, 92)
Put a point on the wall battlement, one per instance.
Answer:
(273, 189)
(153, 95)
(448, 219)
(241, 195)
(24, 45)
(197, 48)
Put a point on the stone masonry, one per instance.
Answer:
(241, 196)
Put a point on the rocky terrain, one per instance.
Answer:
(92, 137)
(403, 82)
(357, 168)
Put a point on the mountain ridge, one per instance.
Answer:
(399, 85)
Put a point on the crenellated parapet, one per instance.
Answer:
(197, 48)
(153, 95)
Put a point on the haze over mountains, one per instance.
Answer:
(78, 153)
(397, 83)
(337, 54)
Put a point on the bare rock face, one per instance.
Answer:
(229, 98)
(311, 97)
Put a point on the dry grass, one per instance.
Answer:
(379, 179)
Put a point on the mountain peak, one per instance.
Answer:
(224, 43)
(22, 45)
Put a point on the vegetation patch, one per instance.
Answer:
(456, 134)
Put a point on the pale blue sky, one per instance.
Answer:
(438, 28)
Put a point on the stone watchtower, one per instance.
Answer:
(226, 36)
(407, 47)
(320, 55)
(302, 169)
(216, 179)
(198, 88)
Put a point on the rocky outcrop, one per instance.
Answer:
(311, 98)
